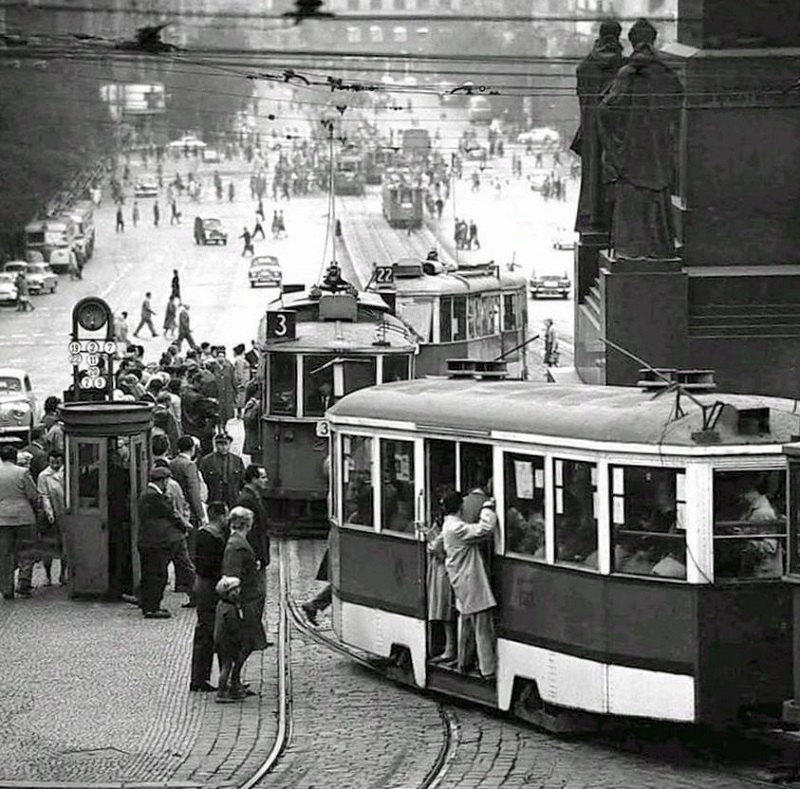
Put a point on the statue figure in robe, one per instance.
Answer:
(638, 120)
(594, 74)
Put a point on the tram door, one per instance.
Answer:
(451, 465)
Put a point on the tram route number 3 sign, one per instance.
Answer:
(86, 355)
(281, 325)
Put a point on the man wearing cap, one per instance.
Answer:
(223, 471)
(159, 528)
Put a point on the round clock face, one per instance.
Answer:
(92, 316)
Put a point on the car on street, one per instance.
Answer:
(40, 276)
(541, 137)
(549, 285)
(145, 188)
(8, 290)
(18, 408)
(211, 155)
(209, 231)
(188, 143)
(564, 239)
(537, 180)
(265, 270)
(477, 151)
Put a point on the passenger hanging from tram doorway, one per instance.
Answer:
(474, 599)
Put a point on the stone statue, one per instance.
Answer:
(638, 121)
(595, 73)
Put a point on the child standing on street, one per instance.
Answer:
(228, 636)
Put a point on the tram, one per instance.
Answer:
(402, 198)
(377, 160)
(478, 311)
(637, 561)
(318, 345)
(348, 174)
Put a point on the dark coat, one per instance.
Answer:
(239, 560)
(38, 460)
(185, 472)
(198, 413)
(159, 527)
(224, 475)
(251, 498)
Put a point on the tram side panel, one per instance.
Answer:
(379, 600)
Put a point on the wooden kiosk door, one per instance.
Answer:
(88, 515)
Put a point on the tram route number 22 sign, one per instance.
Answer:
(281, 325)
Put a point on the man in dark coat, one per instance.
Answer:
(223, 471)
(185, 329)
(158, 529)
(594, 74)
(252, 497)
(39, 459)
(198, 414)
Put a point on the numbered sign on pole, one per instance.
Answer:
(281, 325)
(384, 275)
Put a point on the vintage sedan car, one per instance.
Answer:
(209, 231)
(145, 188)
(265, 270)
(549, 285)
(8, 290)
(564, 239)
(18, 407)
(41, 278)
(211, 155)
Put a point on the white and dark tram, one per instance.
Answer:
(640, 554)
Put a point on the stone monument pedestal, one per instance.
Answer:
(642, 308)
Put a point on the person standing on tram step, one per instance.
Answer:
(158, 526)
(209, 549)
(468, 577)
(239, 561)
(19, 502)
(147, 316)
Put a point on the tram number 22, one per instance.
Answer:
(384, 275)
(281, 325)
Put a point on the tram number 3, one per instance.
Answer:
(384, 275)
(281, 325)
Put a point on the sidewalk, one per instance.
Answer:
(91, 694)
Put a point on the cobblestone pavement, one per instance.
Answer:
(92, 692)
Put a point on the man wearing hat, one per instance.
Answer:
(159, 528)
(223, 471)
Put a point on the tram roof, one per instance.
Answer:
(455, 283)
(577, 412)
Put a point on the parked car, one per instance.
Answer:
(564, 239)
(265, 270)
(145, 188)
(60, 258)
(41, 278)
(8, 290)
(209, 231)
(18, 408)
(39, 275)
(211, 155)
(549, 285)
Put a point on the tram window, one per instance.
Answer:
(474, 316)
(282, 384)
(491, 313)
(575, 484)
(395, 368)
(509, 312)
(794, 515)
(524, 502)
(647, 521)
(397, 486)
(317, 384)
(359, 374)
(476, 478)
(459, 322)
(749, 524)
(357, 479)
(445, 319)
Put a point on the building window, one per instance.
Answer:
(523, 481)
(353, 35)
(376, 34)
(353, 5)
(575, 489)
(397, 486)
(648, 510)
(400, 35)
(376, 5)
(423, 5)
(282, 384)
(357, 480)
(749, 524)
(399, 5)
